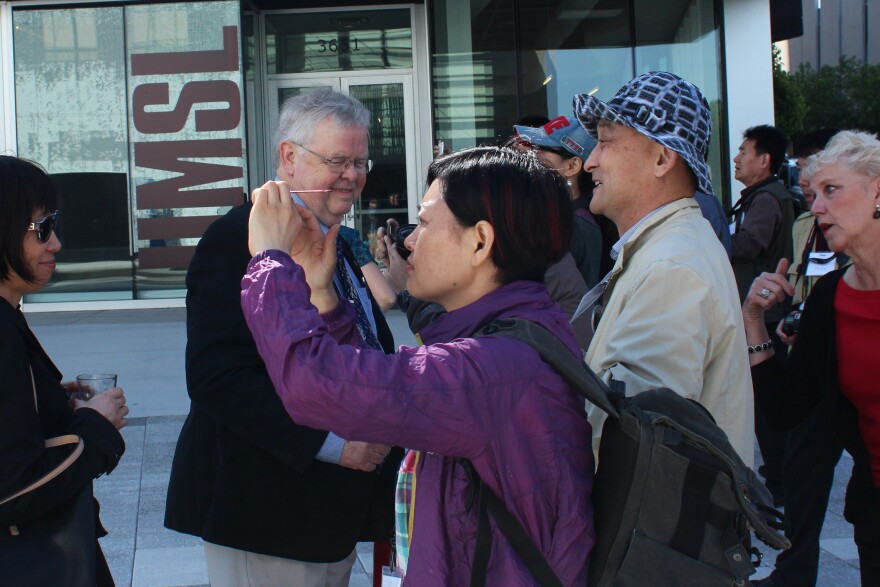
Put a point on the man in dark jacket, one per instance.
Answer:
(763, 218)
(766, 210)
(277, 503)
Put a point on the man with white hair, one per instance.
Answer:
(669, 310)
(276, 503)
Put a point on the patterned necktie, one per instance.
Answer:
(350, 292)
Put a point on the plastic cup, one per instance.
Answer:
(91, 384)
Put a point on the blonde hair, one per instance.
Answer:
(858, 151)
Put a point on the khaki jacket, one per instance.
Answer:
(672, 319)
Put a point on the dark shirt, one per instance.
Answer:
(714, 213)
(757, 223)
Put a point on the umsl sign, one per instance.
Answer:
(183, 143)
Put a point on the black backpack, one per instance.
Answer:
(673, 503)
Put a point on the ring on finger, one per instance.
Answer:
(765, 293)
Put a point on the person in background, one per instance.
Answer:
(277, 502)
(479, 251)
(378, 286)
(564, 145)
(833, 359)
(670, 314)
(805, 233)
(762, 218)
(712, 211)
(811, 454)
(37, 481)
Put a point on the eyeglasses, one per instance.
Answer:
(44, 226)
(340, 164)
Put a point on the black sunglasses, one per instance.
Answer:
(44, 226)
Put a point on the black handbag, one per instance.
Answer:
(59, 547)
(56, 549)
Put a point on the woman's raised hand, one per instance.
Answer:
(274, 222)
(315, 252)
(766, 291)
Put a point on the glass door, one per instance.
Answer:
(391, 190)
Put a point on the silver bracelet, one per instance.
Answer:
(760, 348)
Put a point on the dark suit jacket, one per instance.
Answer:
(244, 473)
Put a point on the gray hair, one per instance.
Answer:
(301, 114)
(858, 151)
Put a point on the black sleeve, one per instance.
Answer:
(586, 248)
(789, 389)
(226, 378)
(24, 459)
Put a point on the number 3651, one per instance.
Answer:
(332, 45)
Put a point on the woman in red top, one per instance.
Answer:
(834, 355)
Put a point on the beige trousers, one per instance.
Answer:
(228, 567)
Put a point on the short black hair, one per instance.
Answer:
(812, 142)
(526, 202)
(768, 140)
(25, 188)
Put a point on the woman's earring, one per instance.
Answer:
(568, 181)
(877, 212)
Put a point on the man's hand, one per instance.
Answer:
(274, 222)
(362, 456)
(386, 253)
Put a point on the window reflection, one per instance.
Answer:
(72, 82)
(484, 82)
(681, 36)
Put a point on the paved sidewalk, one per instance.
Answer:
(146, 348)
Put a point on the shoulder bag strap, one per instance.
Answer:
(60, 468)
(577, 374)
(489, 503)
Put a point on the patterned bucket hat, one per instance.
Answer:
(664, 108)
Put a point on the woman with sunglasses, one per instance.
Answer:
(491, 223)
(42, 480)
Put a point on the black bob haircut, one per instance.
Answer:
(25, 188)
(526, 203)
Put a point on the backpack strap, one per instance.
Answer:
(489, 503)
(584, 381)
(576, 373)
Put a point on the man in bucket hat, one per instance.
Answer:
(671, 314)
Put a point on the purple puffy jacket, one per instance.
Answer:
(489, 399)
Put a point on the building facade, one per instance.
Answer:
(833, 29)
(154, 118)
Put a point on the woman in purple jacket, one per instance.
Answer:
(490, 224)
